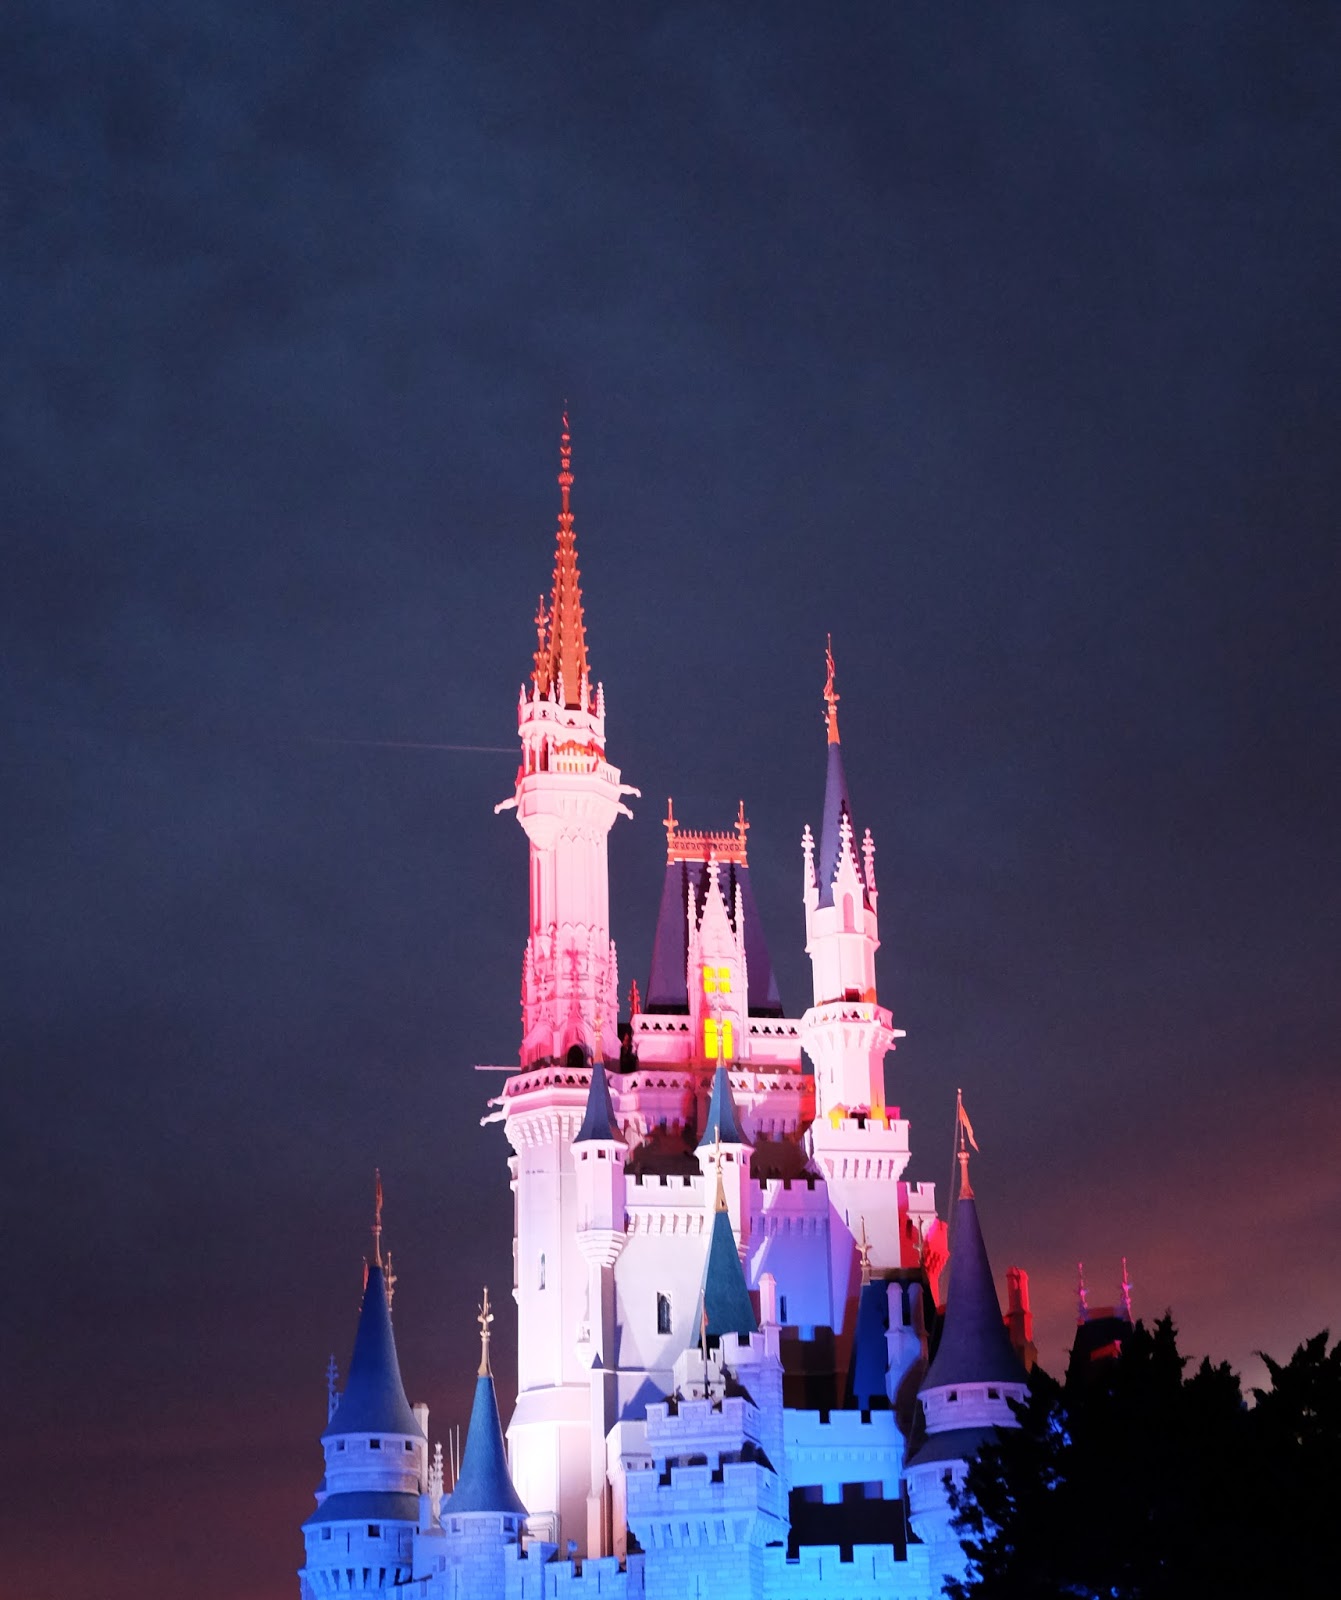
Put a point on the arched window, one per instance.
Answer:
(663, 1313)
(542, 1269)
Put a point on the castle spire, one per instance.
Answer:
(837, 835)
(831, 696)
(377, 1217)
(485, 1319)
(561, 667)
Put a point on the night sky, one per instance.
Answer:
(1002, 342)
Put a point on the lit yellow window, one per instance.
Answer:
(710, 980)
(717, 980)
(715, 1036)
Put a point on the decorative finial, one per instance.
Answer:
(670, 825)
(717, 1157)
(864, 1254)
(831, 696)
(389, 1278)
(742, 828)
(565, 460)
(484, 1319)
(1082, 1298)
(377, 1217)
(332, 1387)
(635, 1000)
(1126, 1291)
(964, 1137)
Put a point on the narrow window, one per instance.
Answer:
(710, 980)
(374, 1444)
(325, 1533)
(339, 1444)
(782, 1308)
(542, 1269)
(728, 1044)
(993, 1394)
(724, 980)
(409, 1444)
(374, 1530)
(952, 1396)
(663, 1313)
(710, 1038)
(849, 922)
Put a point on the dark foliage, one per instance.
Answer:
(1135, 1482)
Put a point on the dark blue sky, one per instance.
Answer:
(1003, 343)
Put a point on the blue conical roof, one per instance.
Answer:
(599, 1119)
(722, 1119)
(373, 1400)
(836, 807)
(485, 1483)
(724, 1294)
(975, 1346)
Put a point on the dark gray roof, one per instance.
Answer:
(599, 1120)
(722, 1118)
(836, 807)
(485, 1485)
(955, 1444)
(366, 1505)
(373, 1400)
(667, 989)
(974, 1346)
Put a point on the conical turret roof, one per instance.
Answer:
(598, 1121)
(485, 1485)
(975, 1345)
(723, 1122)
(724, 1294)
(373, 1400)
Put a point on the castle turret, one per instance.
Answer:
(376, 1459)
(567, 797)
(599, 1153)
(724, 1154)
(484, 1514)
(860, 1143)
(965, 1396)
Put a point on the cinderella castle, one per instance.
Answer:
(751, 1356)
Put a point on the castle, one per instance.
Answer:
(751, 1357)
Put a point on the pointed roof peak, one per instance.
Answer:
(598, 1120)
(484, 1483)
(561, 668)
(373, 1399)
(975, 1344)
(723, 1124)
(724, 1298)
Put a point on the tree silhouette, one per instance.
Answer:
(1133, 1481)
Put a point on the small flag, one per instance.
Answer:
(966, 1125)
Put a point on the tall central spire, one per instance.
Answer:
(561, 660)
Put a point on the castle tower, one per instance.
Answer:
(724, 1157)
(859, 1143)
(361, 1535)
(567, 797)
(483, 1516)
(966, 1393)
(599, 1151)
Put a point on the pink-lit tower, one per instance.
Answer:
(567, 797)
(859, 1143)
